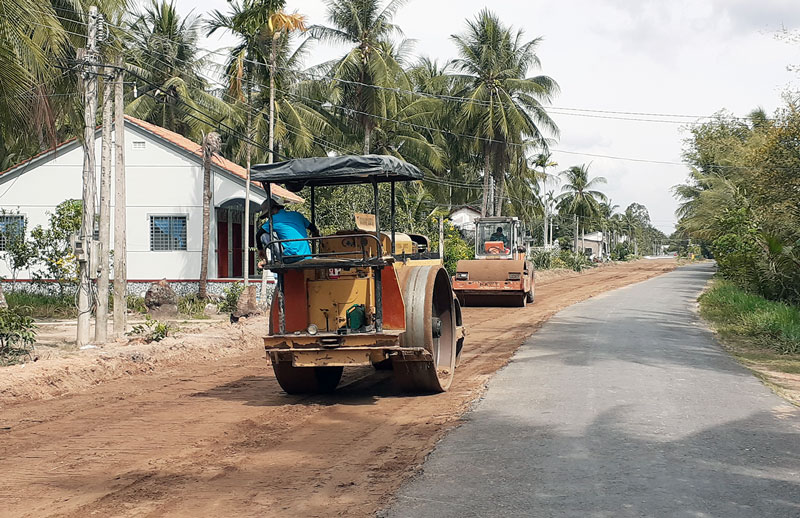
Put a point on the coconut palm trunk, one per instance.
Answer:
(211, 145)
(486, 173)
(272, 58)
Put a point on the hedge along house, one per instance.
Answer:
(164, 189)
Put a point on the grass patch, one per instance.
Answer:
(192, 306)
(736, 312)
(40, 306)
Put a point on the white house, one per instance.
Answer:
(594, 244)
(463, 218)
(164, 186)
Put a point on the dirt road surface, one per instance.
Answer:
(217, 437)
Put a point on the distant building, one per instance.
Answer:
(463, 218)
(594, 244)
(164, 186)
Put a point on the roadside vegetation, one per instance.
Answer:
(742, 202)
(741, 206)
(17, 336)
(735, 312)
(762, 334)
(62, 307)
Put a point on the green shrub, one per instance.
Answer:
(192, 306)
(136, 304)
(17, 335)
(736, 311)
(231, 294)
(152, 330)
(558, 263)
(621, 252)
(573, 261)
(546, 260)
(456, 249)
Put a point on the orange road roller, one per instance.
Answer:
(500, 274)
(370, 295)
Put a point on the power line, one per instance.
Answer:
(468, 100)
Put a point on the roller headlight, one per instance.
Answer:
(462, 276)
(312, 329)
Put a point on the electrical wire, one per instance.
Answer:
(454, 98)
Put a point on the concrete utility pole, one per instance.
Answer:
(546, 216)
(246, 267)
(576, 233)
(88, 77)
(101, 317)
(120, 245)
(441, 237)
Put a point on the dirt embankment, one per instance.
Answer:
(205, 433)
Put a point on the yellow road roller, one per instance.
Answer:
(368, 295)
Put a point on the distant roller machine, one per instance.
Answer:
(500, 274)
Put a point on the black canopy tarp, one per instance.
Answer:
(339, 170)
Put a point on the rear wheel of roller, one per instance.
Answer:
(431, 324)
(306, 380)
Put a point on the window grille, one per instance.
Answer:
(9, 223)
(167, 233)
(138, 144)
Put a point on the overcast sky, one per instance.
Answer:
(682, 57)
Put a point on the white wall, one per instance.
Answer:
(160, 180)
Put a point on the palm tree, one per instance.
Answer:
(280, 23)
(211, 147)
(579, 197)
(247, 22)
(165, 55)
(361, 76)
(29, 40)
(38, 105)
(504, 111)
(604, 220)
(543, 161)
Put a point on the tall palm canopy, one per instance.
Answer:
(579, 197)
(373, 60)
(505, 110)
(165, 54)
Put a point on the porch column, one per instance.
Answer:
(230, 242)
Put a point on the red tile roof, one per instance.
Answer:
(184, 143)
(196, 149)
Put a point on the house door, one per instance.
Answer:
(222, 248)
(230, 239)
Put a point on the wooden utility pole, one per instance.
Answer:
(88, 77)
(101, 317)
(120, 209)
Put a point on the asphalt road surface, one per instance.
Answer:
(622, 405)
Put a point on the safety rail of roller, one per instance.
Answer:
(344, 259)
